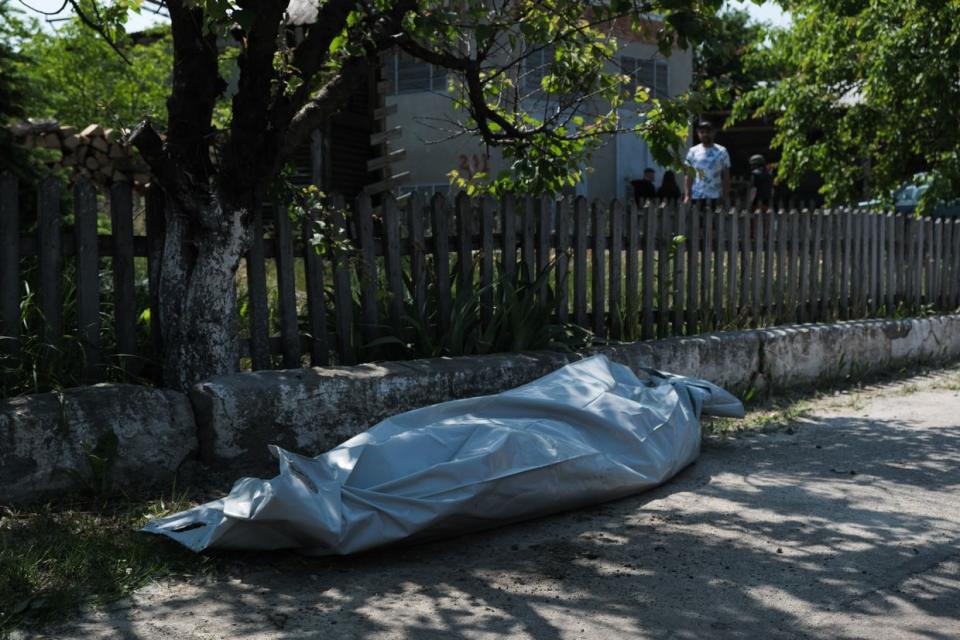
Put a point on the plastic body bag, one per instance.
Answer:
(589, 432)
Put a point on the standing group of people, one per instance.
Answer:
(645, 189)
(707, 179)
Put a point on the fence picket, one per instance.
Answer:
(316, 302)
(464, 247)
(664, 244)
(826, 285)
(486, 259)
(416, 215)
(803, 307)
(528, 228)
(902, 265)
(599, 270)
(343, 298)
(155, 211)
(694, 220)
(874, 240)
(756, 296)
(955, 280)
(124, 303)
(781, 217)
(367, 271)
(286, 289)
(51, 260)
(680, 214)
(257, 291)
(732, 249)
(9, 263)
(580, 214)
(508, 212)
(846, 269)
(631, 292)
(562, 281)
(88, 279)
(816, 266)
(441, 245)
(614, 299)
(891, 262)
(391, 233)
(545, 207)
(745, 269)
(770, 236)
(649, 250)
(706, 268)
(718, 271)
(937, 260)
(809, 265)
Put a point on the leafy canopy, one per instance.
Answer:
(74, 76)
(287, 80)
(866, 82)
(720, 73)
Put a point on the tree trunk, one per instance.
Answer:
(198, 298)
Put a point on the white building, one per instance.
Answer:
(419, 92)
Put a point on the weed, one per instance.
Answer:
(57, 559)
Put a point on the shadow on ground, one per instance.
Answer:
(812, 534)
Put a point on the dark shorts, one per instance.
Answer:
(705, 203)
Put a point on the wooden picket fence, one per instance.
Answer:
(621, 271)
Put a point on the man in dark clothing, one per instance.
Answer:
(761, 184)
(645, 189)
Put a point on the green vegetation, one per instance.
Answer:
(61, 557)
(868, 90)
(74, 76)
(12, 89)
(720, 74)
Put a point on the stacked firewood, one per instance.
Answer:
(94, 153)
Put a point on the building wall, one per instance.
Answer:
(431, 153)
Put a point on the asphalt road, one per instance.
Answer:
(843, 525)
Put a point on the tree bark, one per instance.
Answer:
(198, 301)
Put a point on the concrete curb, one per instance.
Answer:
(230, 420)
(311, 410)
(50, 443)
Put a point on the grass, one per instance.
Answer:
(61, 557)
(948, 383)
(768, 414)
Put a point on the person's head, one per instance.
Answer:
(705, 132)
(669, 178)
(757, 161)
(649, 174)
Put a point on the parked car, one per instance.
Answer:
(905, 200)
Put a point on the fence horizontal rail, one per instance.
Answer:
(399, 286)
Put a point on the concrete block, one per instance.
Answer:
(312, 410)
(731, 360)
(46, 440)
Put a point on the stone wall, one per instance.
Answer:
(52, 443)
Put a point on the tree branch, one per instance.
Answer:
(251, 139)
(196, 86)
(151, 147)
(97, 26)
(327, 101)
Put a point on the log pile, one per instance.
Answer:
(95, 153)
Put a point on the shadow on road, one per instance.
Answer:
(764, 537)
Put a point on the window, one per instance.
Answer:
(410, 75)
(653, 74)
(536, 65)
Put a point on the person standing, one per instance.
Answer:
(708, 170)
(669, 190)
(644, 189)
(761, 184)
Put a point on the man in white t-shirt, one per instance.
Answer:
(708, 170)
